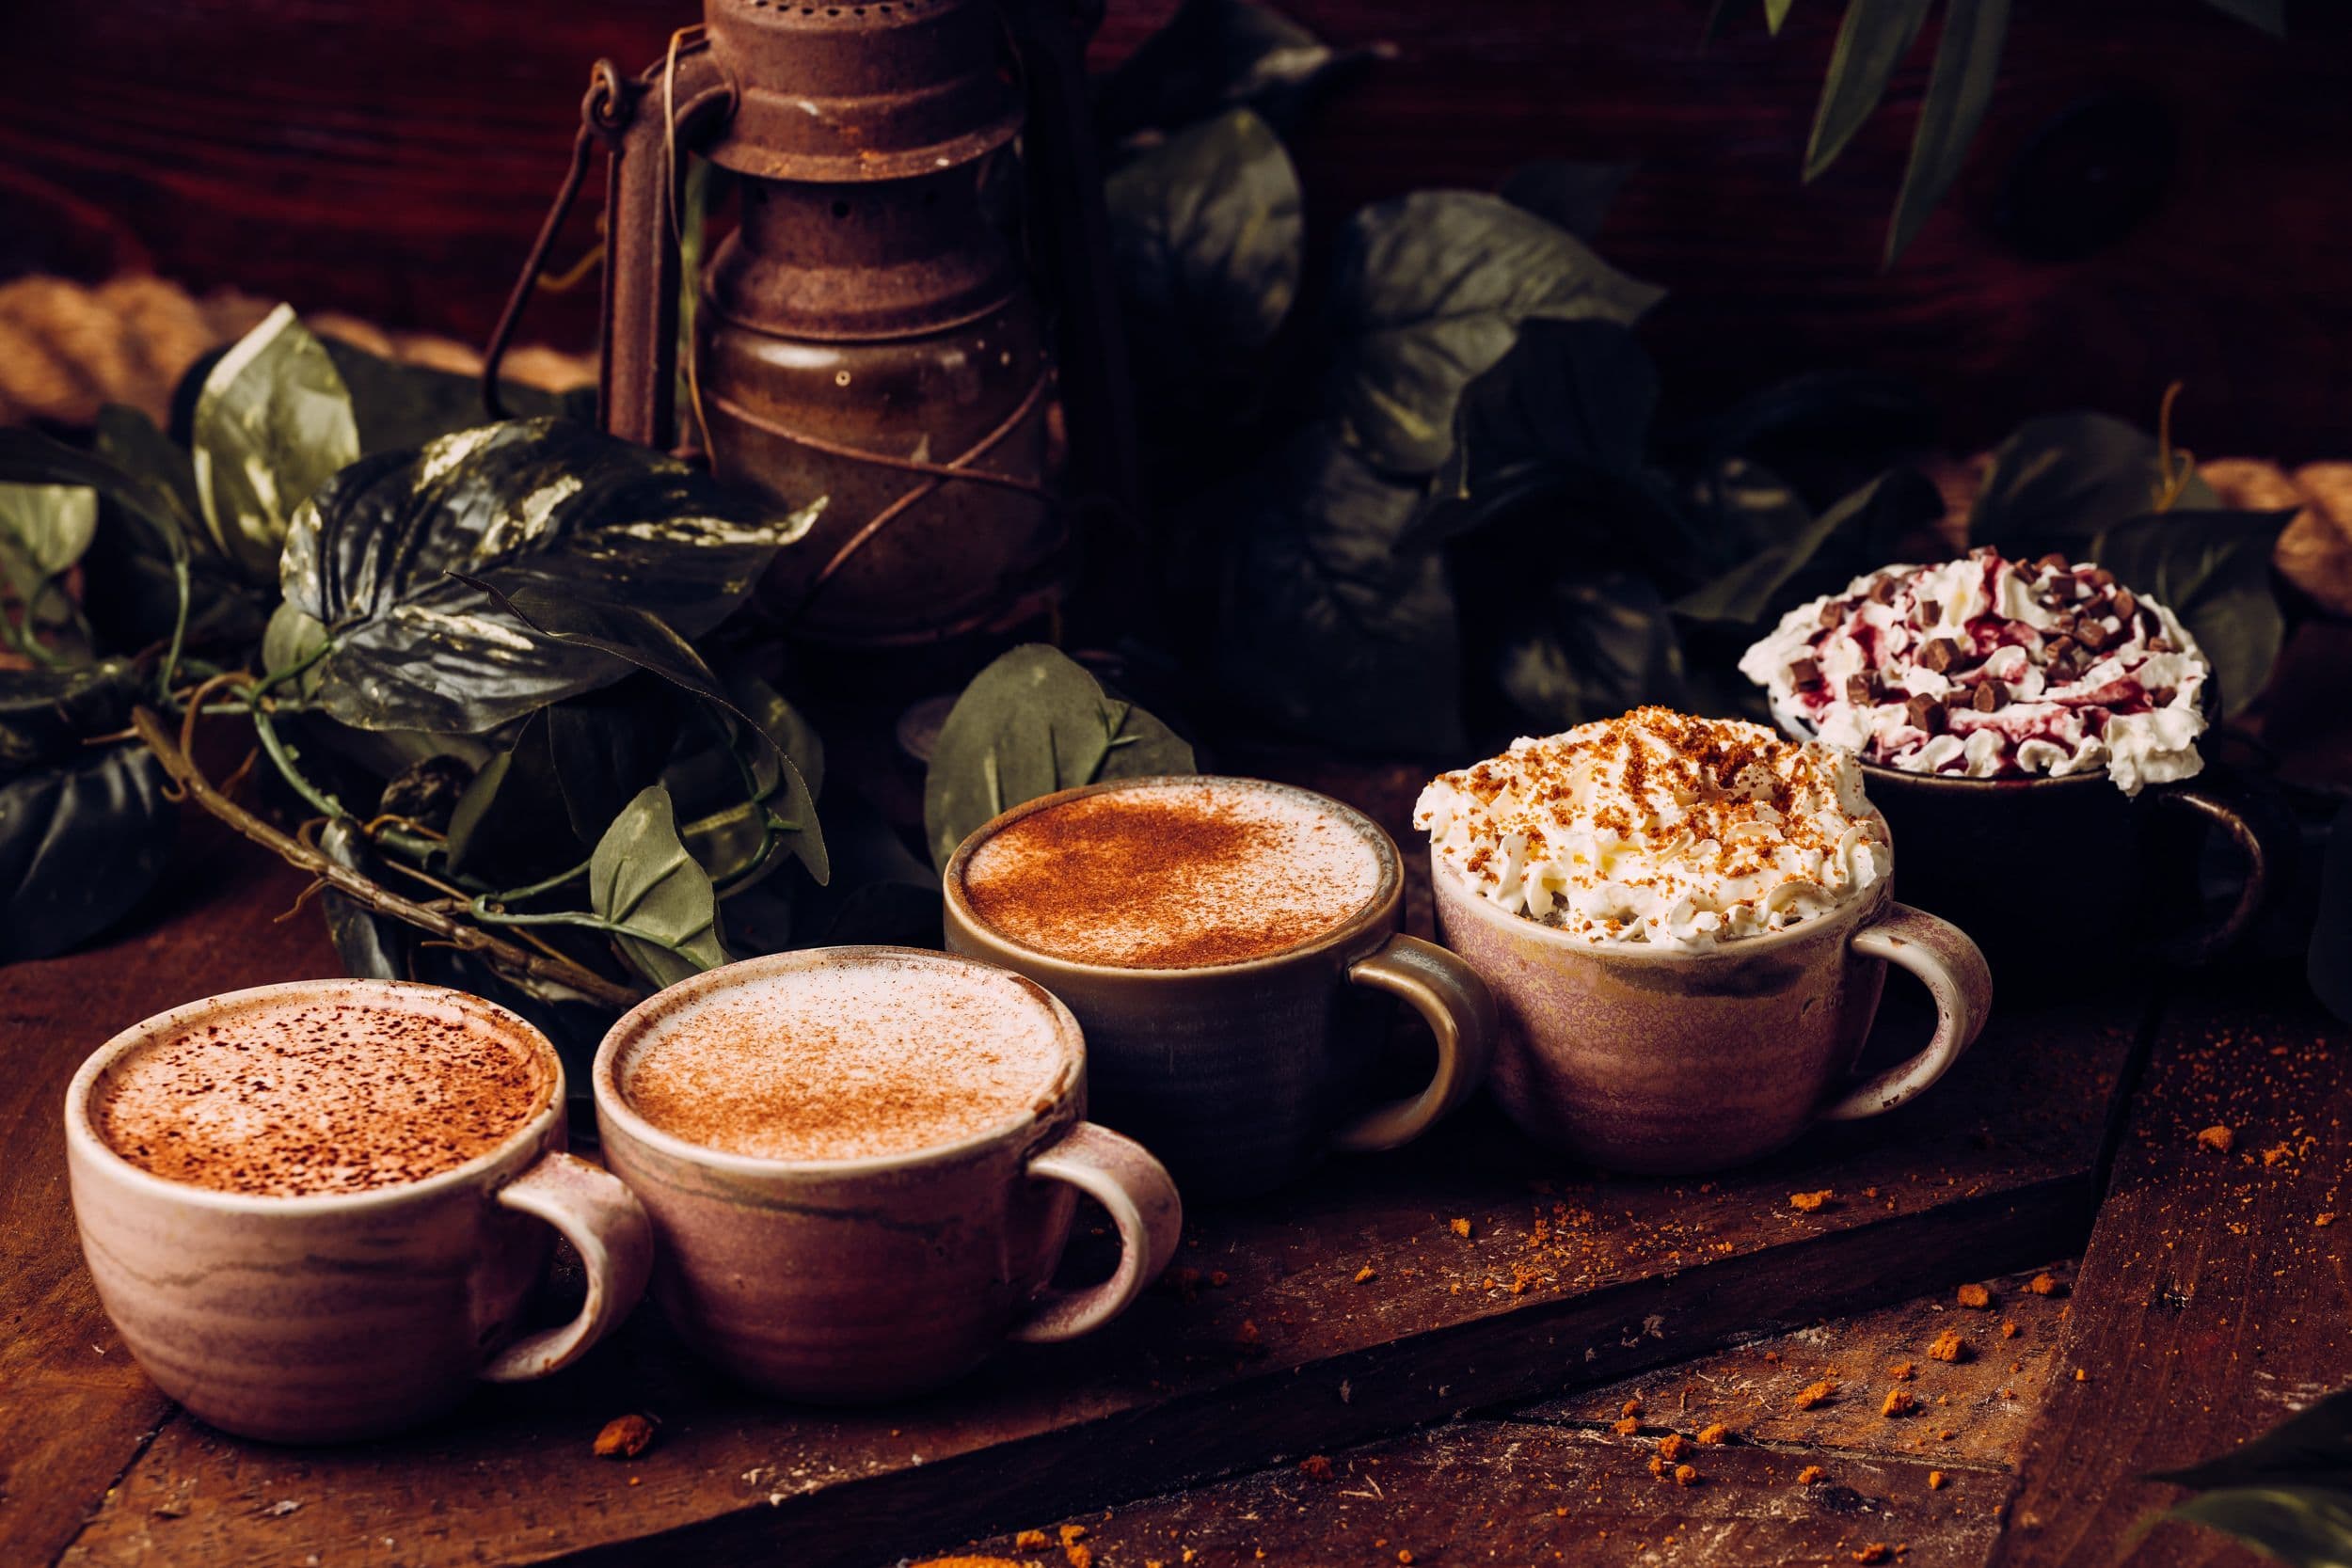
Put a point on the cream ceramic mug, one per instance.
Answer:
(328, 1316)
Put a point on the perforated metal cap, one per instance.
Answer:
(879, 90)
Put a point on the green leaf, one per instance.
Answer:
(638, 637)
(1968, 59)
(81, 843)
(273, 423)
(1428, 290)
(150, 532)
(2061, 479)
(1031, 724)
(44, 529)
(397, 404)
(45, 713)
(1207, 245)
(1576, 196)
(2212, 569)
(1804, 563)
(642, 876)
(2269, 15)
(607, 746)
(391, 554)
(1216, 55)
(1323, 632)
(1588, 647)
(1569, 405)
(1775, 12)
(2313, 1446)
(2306, 1527)
(512, 826)
(1875, 35)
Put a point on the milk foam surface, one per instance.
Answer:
(849, 1060)
(1660, 828)
(1172, 876)
(288, 1098)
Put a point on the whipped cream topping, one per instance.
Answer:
(1991, 668)
(1659, 828)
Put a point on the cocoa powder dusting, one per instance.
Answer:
(1171, 877)
(287, 1099)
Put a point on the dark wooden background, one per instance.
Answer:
(390, 158)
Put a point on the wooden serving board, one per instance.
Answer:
(1386, 1291)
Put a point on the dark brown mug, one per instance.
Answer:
(1981, 854)
(1241, 1076)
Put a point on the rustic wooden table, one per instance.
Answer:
(1425, 1358)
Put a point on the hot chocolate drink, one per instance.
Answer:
(1181, 874)
(867, 1056)
(288, 1098)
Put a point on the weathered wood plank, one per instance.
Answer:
(1511, 1492)
(2215, 1296)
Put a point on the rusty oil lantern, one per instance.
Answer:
(871, 331)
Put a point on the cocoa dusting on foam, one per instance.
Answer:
(1171, 877)
(288, 1099)
(851, 1060)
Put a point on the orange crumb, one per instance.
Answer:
(2009, 1330)
(1032, 1541)
(1403, 1554)
(1877, 1551)
(2218, 1138)
(2081, 1376)
(1899, 1402)
(1902, 1372)
(624, 1438)
(2324, 1221)
(1686, 1475)
(1366, 1273)
(1975, 1297)
(1810, 1203)
(1627, 1426)
(1810, 1474)
(1247, 1333)
(2272, 1155)
(1948, 1346)
(1713, 1433)
(1315, 1467)
(1657, 1466)
(1630, 1407)
(1936, 1481)
(2044, 1285)
(1460, 1227)
(1772, 1357)
(1814, 1393)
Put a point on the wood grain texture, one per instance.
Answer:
(392, 159)
(1277, 1339)
(1510, 1492)
(2215, 1296)
(77, 1408)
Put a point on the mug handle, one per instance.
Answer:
(2252, 832)
(609, 1229)
(1939, 953)
(1459, 1010)
(1120, 1175)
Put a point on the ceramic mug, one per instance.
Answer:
(1954, 837)
(327, 1317)
(1660, 1060)
(1241, 1075)
(863, 1280)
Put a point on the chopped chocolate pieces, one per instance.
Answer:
(1804, 672)
(1882, 591)
(1862, 688)
(1988, 697)
(2162, 696)
(2057, 648)
(1940, 653)
(1832, 613)
(2091, 635)
(1929, 612)
(2101, 577)
(2126, 605)
(2159, 644)
(2053, 562)
(1925, 713)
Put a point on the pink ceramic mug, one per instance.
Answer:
(842, 1280)
(1659, 1060)
(327, 1317)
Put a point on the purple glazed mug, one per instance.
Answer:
(329, 1317)
(851, 1280)
(1664, 1061)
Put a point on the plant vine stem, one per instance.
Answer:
(496, 951)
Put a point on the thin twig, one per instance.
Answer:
(501, 954)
